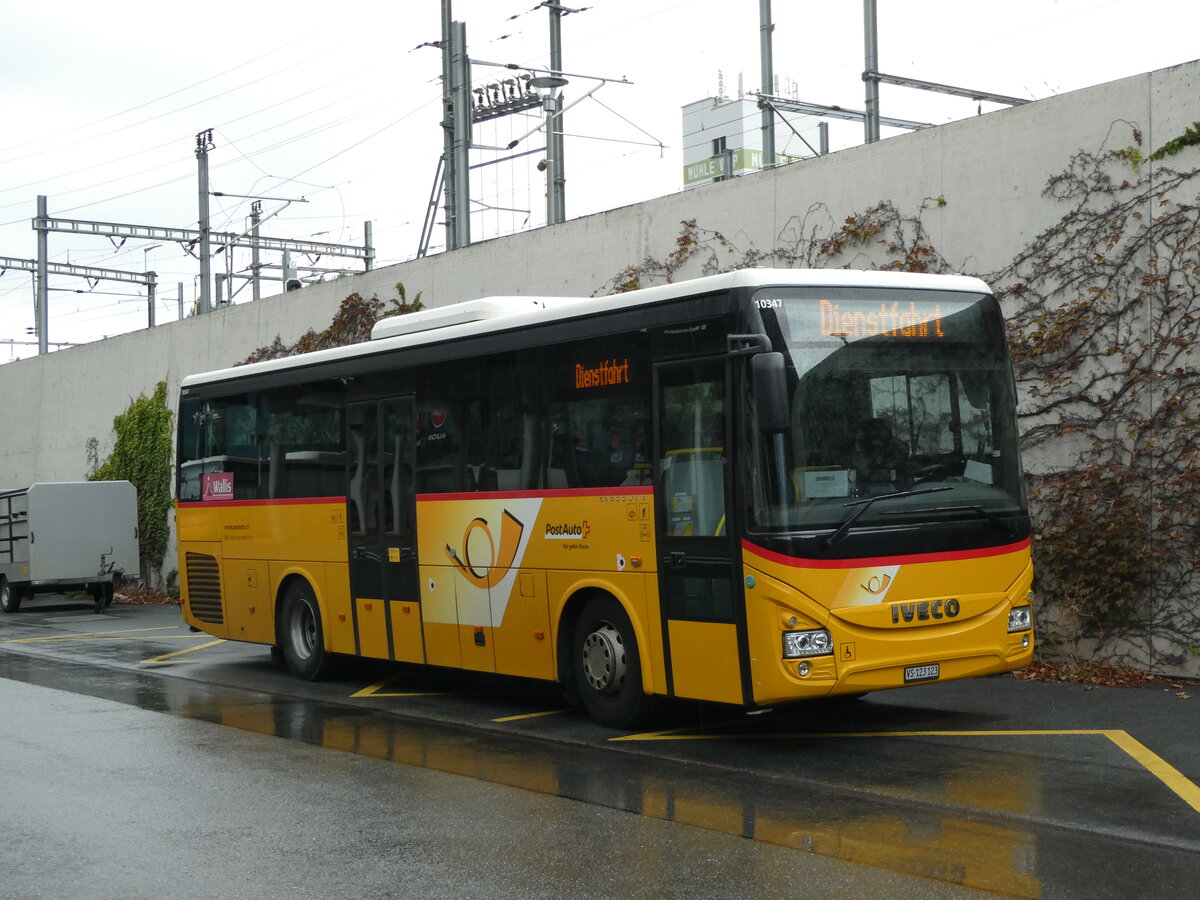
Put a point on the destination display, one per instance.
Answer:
(916, 316)
(857, 319)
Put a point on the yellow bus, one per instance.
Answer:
(748, 488)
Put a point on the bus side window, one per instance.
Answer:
(449, 432)
(233, 445)
(513, 454)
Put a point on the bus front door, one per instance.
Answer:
(381, 526)
(696, 589)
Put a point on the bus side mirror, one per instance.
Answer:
(769, 378)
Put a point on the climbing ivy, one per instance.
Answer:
(1103, 309)
(351, 324)
(142, 456)
(880, 237)
(1190, 138)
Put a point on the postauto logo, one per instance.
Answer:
(567, 531)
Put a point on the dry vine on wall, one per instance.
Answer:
(1103, 312)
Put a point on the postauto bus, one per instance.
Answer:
(748, 488)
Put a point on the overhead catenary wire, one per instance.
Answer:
(182, 139)
(163, 114)
(146, 103)
(296, 147)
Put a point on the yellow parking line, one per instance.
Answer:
(536, 715)
(1179, 784)
(1158, 767)
(92, 634)
(166, 656)
(376, 690)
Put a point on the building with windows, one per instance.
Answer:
(722, 138)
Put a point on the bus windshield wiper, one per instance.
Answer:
(864, 505)
(1001, 524)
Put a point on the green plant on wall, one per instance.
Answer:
(142, 455)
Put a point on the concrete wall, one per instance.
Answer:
(990, 170)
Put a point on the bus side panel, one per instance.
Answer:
(712, 673)
(336, 604)
(196, 522)
(474, 624)
(248, 604)
(408, 643)
(439, 616)
(523, 645)
(255, 545)
(276, 530)
(484, 557)
(372, 628)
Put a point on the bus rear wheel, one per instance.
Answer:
(300, 634)
(608, 669)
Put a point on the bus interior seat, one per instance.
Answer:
(507, 479)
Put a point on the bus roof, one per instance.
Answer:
(476, 317)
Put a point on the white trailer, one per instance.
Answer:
(57, 536)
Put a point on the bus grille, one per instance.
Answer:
(204, 588)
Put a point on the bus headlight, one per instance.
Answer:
(1020, 618)
(807, 643)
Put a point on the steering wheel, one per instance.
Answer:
(934, 472)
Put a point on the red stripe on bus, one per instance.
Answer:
(289, 501)
(871, 561)
(548, 492)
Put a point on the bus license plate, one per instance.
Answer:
(922, 673)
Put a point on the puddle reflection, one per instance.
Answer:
(877, 832)
(912, 818)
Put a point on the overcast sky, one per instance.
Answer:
(339, 105)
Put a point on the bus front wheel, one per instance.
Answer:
(608, 670)
(301, 635)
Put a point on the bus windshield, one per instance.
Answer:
(890, 392)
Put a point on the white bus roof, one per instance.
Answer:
(477, 317)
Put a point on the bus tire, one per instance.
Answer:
(10, 597)
(608, 669)
(300, 633)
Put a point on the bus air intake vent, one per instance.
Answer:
(204, 588)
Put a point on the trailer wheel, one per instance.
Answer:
(301, 636)
(10, 597)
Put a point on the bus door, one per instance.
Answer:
(698, 593)
(381, 525)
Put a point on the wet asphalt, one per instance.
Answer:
(130, 740)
